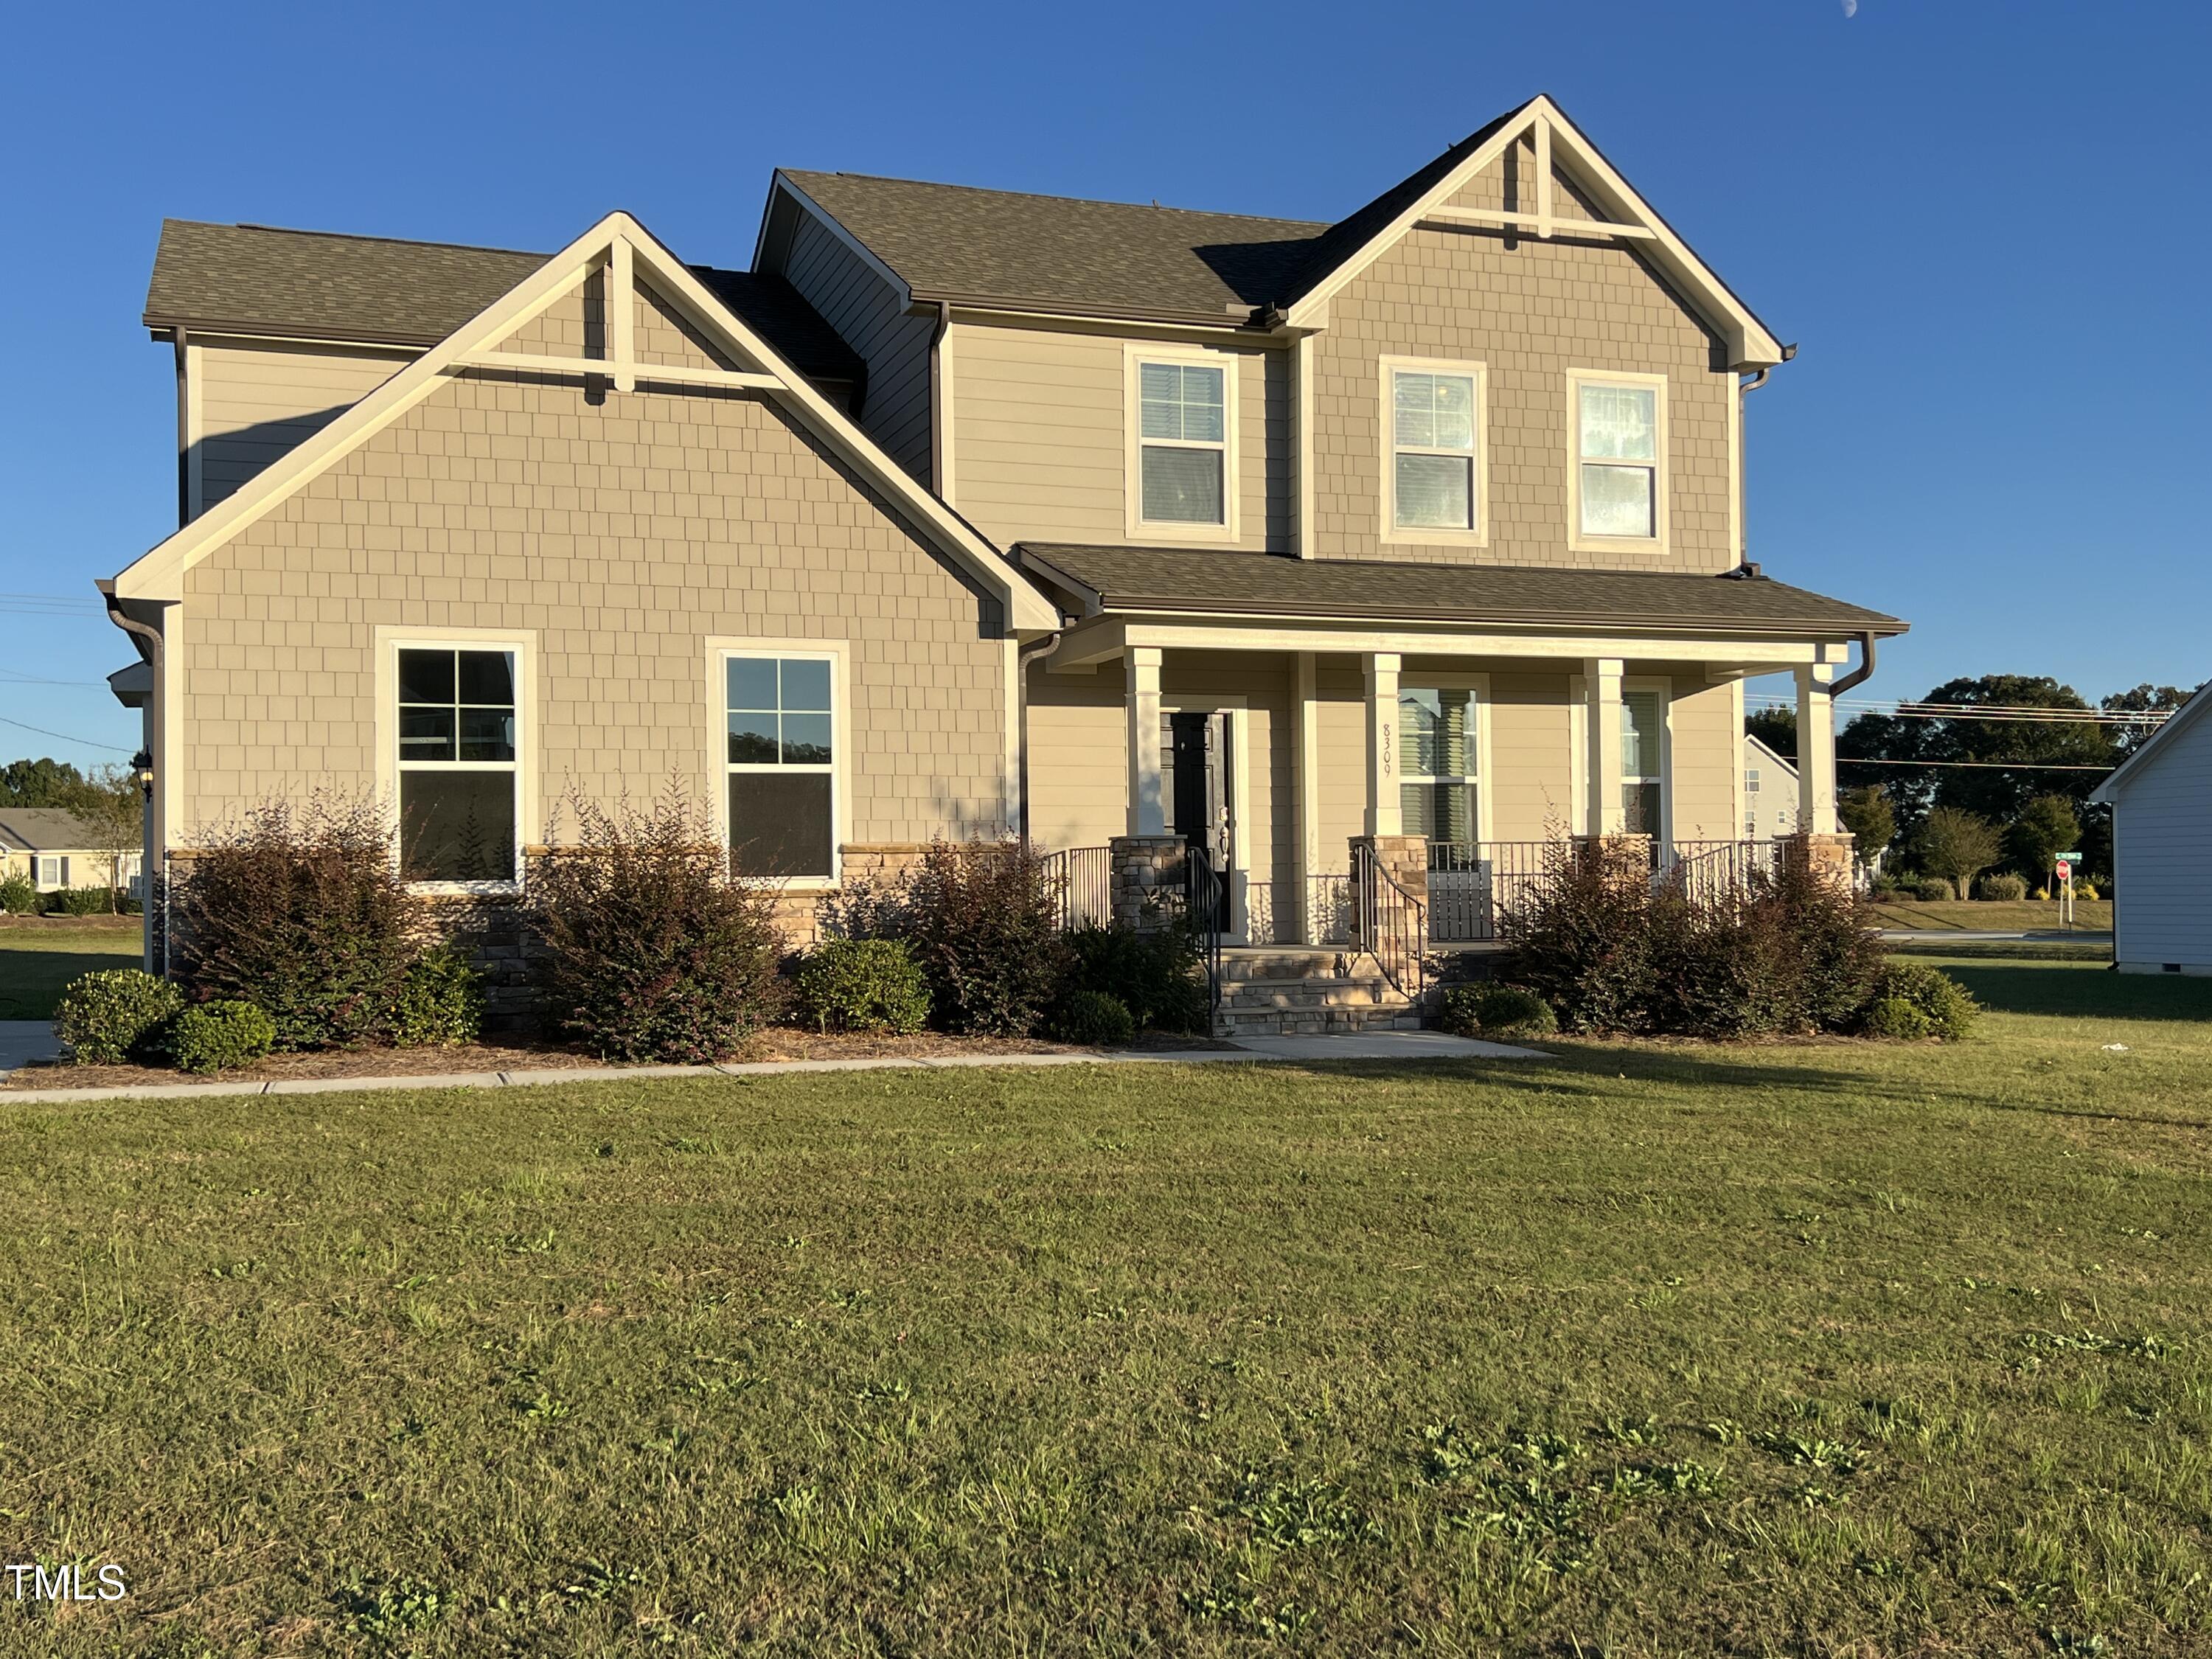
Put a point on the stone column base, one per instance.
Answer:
(1829, 857)
(1145, 888)
(1405, 859)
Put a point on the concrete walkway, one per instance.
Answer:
(1374, 1045)
(1983, 936)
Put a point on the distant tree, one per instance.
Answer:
(1985, 764)
(1957, 844)
(1775, 727)
(112, 809)
(1866, 812)
(44, 782)
(2144, 699)
(2046, 827)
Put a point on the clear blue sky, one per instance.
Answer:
(1986, 224)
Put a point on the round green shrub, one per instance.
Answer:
(1159, 976)
(80, 902)
(1943, 1004)
(439, 1001)
(216, 1036)
(2004, 887)
(1096, 1018)
(106, 1017)
(1497, 1011)
(1934, 889)
(19, 895)
(863, 985)
(1895, 1018)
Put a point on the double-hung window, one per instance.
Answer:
(1434, 422)
(1643, 753)
(1438, 745)
(1620, 438)
(49, 872)
(458, 774)
(1183, 438)
(781, 714)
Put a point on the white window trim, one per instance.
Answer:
(41, 863)
(1418, 536)
(1665, 689)
(522, 644)
(1139, 528)
(1577, 541)
(1457, 680)
(721, 648)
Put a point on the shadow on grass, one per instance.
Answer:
(31, 980)
(2071, 991)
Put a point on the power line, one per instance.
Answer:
(64, 736)
(1990, 766)
(2011, 714)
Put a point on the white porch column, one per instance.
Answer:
(1307, 798)
(1816, 750)
(1147, 812)
(1383, 814)
(1603, 813)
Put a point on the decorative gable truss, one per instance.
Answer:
(1560, 149)
(623, 259)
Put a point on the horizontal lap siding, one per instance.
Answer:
(1078, 757)
(258, 403)
(1531, 759)
(624, 533)
(2162, 825)
(1705, 754)
(871, 316)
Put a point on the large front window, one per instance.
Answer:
(458, 776)
(1183, 443)
(782, 766)
(1642, 753)
(1617, 453)
(1438, 764)
(1432, 482)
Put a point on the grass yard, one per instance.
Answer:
(1825, 1350)
(37, 962)
(2027, 915)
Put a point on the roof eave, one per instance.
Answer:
(1030, 306)
(1121, 605)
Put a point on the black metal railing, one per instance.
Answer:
(1475, 887)
(1389, 924)
(1708, 872)
(1084, 876)
(1205, 899)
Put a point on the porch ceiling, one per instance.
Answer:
(1103, 581)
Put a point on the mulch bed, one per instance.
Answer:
(522, 1054)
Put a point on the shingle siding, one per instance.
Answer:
(2162, 830)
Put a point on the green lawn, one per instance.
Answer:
(1822, 1349)
(35, 964)
(2025, 917)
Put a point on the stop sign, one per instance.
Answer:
(2065, 871)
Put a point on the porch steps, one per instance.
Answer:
(1280, 992)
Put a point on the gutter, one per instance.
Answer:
(1858, 676)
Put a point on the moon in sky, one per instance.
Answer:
(1851, 8)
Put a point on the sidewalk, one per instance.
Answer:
(1983, 936)
(23, 1040)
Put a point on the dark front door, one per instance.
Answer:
(1195, 783)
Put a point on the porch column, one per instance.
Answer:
(1384, 816)
(1603, 814)
(1307, 798)
(1147, 812)
(1816, 750)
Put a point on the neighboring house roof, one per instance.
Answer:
(617, 243)
(2154, 745)
(313, 284)
(954, 242)
(1769, 756)
(42, 830)
(1154, 578)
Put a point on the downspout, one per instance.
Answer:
(1858, 676)
(184, 431)
(158, 702)
(1023, 658)
(940, 408)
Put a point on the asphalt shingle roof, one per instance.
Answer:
(258, 279)
(42, 830)
(1132, 578)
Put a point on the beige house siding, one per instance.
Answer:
(871, 316)
(1705, 753)
(1532, 760)
(618, 534)
(1530, 311)
(1041, 436)
(257, 402)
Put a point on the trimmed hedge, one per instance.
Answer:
(1498, 1011)
(218, 1036)
(1157, 977)
(439, 1002)
(1918, 1000)
(1096, 1018)
(863, 985)
(106, 1017)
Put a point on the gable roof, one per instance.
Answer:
(956, 244)
(1774, 756)
(42, 830)
(973, 246)
(622, 244)
(313, 284)
(2146, 754)
(1155, 578)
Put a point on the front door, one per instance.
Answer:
(1196, 788)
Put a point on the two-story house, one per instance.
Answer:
(1412, 539)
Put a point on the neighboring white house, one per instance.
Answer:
(1770, 793)
(56, 850)
(2161, 802)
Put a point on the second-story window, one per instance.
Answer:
(1433, 471)
(1620, 440)
(1182, 441)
